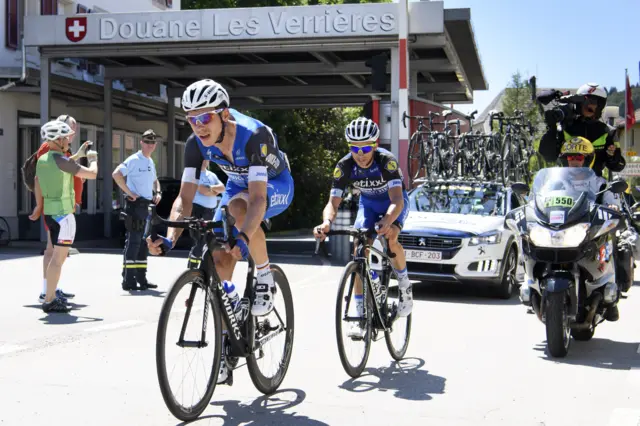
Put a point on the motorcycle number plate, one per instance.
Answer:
(558, 202)
(422, 255)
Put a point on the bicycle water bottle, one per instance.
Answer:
(234, 297)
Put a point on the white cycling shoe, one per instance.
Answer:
(356, 332)
(405, 303)
(263, 302)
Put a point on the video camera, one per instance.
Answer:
(564, 110)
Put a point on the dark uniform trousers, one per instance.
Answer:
(195, 255)
(134, 268)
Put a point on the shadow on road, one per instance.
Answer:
(461, 293)
(598, 353)
(62, 318)
(266, 410)
(403, 378)
(150, 292)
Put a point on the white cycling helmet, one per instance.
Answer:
(362, 129)
(204, 94)
(54, 130)
(592, 89)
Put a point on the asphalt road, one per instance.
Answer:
(472, 360)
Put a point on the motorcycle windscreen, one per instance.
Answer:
(563, 194)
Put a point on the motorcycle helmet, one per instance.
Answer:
(577, 146)
(592, 92)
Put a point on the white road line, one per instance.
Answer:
(115, 325)
(624, 417)
(7, 349)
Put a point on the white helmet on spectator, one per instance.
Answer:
(54, 130)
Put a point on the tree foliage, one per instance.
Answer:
(518, 96)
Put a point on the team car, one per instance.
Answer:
(455, 234)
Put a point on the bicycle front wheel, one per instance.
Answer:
(188, 343)
(353, 350)
(273, 335)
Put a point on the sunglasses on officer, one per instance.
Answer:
(204, 118)
(364, 149)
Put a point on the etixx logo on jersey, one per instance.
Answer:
(75, 28)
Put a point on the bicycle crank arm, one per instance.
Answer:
(192, 344)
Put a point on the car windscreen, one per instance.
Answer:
(481, 200)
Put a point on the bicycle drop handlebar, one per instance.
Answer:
(199, 225)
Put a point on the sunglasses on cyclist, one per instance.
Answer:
(575, 157)
(204, 118)
(365, 149)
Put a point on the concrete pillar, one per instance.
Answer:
(396, 113)
(402, 144)
(45, 111)
(105, 155)
(171, 137)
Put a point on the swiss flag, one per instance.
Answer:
(76, 28)
(630, 113)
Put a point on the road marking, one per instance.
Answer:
(7, 349)
(115, 325)
(638, 351)
(624, 417)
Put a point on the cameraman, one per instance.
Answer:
(589, 100)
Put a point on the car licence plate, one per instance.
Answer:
(422, 255)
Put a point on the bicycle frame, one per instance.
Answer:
(380, 309)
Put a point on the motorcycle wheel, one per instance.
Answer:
(557, 325)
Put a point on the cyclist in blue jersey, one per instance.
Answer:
(383, 202)
(259, 187)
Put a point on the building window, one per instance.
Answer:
(48, 7)
(11, 24)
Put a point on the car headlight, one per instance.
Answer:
(492, 237)
(570, 237)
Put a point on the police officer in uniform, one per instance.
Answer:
(204, 205)
(137, 178)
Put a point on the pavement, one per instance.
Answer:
(472, 359)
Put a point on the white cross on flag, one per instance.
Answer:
(76, 28)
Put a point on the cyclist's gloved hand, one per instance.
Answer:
(240, 243)
(162, 243)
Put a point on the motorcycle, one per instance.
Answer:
(566, 239)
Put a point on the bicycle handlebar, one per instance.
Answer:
(361, 233)
(199, 225)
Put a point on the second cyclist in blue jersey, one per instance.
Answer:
(383, 201)
(259, 187)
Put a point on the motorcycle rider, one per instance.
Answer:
(579, 152)
(590, 100)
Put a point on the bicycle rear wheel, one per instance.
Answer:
(5, 232)
(275, 332)
(397, 337)
(346, 307)
(197, 335)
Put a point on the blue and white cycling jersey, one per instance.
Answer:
(373, 183)
(256, 156)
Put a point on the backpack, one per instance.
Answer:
(29, 171)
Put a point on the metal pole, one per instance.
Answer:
(106, 155)
(45, 111)
(626, 130)
(171, 137)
